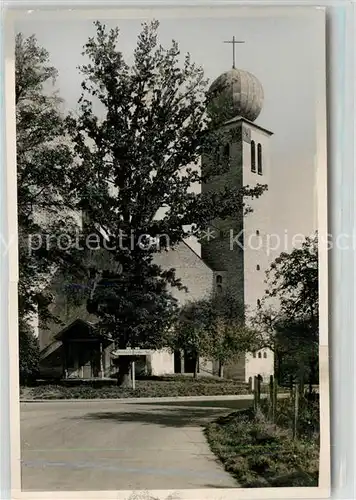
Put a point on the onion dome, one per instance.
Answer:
(240, 94)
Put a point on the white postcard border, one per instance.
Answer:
(323, 491)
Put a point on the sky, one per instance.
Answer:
(280, 50)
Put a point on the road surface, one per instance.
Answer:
(115, 445)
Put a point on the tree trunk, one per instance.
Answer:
(301, 381)
(123, 377)
(221, 369)
(291, 388)
(312, 375)
(195, 374)
(278, 366)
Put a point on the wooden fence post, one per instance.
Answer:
(271, 398)
(255, 404)
(258, 391)
(301, 386)
(296, 410)
(275, 392)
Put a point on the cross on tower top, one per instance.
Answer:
(234, 42)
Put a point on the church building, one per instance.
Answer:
(234, 256)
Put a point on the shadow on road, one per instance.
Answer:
(233, 404)
(215, 486)
(165, 417)
(168, 418)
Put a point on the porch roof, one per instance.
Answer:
(81, 329)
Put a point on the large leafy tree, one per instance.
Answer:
(292, 327)
(192, 332)
(134, 309)
(139, 158)
(214, 328)
(230, 337)
(45, 175)
(293, 280)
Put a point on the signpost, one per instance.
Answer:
(133, 374)
(132, 353)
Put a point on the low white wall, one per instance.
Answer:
(162, 362)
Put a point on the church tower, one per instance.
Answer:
(237, 250)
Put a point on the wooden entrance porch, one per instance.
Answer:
(85, 350)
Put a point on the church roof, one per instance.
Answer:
(79, 328)
(197, 255)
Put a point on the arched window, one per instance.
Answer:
(265, 355)
(259, 355)
(258, 267)
(219, 279)
(253, 156)
(254, 354)
(219, 288)
(257, 232)
(259, 159)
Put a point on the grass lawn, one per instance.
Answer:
(259, 454)
(169, 386)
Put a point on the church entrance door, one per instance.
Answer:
(189, 362)
(177, 362)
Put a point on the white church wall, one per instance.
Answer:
(257, 225)
(162, 362)
(192, 271)
(257, 257)
(198, 278)
(263, 366)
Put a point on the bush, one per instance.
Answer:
(29, 354)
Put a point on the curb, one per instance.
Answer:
(233, 397)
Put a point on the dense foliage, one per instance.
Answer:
(292, 326)
(29, 354)
(214, 328)
(45, 175)
(139, 157)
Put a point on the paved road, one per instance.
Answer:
(119, 445)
